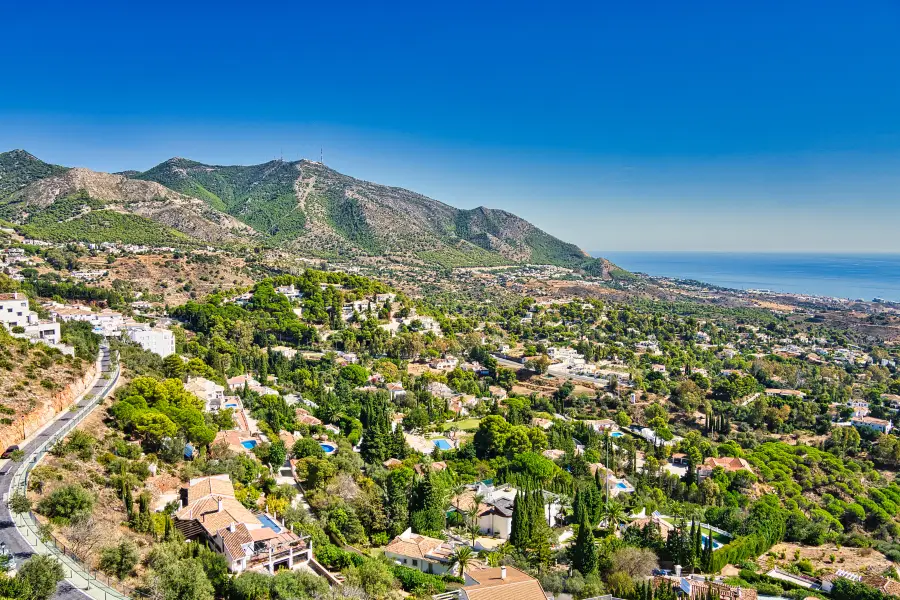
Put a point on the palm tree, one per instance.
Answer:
(478, 500)
(458, 491)
(493, 559)
(615, 515)
(473, 530)
(463, 556)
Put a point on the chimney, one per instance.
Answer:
(677, 570)
(232, 528)
(502, 572)
(218, 505)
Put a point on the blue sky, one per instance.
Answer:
(761, 126)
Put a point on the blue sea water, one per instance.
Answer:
(864, 276)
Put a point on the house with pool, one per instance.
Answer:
(237, 441)
(249, 541)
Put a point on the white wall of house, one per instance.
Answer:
(158, 341)
(426, 566)
(495, 525)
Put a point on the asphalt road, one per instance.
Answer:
(9, 535)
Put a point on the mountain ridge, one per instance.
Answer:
(300, 205)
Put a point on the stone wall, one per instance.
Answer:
(45, 412)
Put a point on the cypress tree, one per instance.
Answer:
(129, 502)
(584, 553)
(515, 530)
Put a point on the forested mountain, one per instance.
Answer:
(19, 168)
(300, 205)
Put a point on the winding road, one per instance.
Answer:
(10, 535)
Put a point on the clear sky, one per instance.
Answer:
(687, 125)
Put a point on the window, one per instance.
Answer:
(415, 563)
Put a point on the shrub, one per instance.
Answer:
(67, 503)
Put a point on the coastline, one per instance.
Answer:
(865, 277)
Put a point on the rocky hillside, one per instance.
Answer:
(315, 209)
(90, 206)
(302, 206)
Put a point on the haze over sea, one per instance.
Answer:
(865, 276)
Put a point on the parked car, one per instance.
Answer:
(8, 452)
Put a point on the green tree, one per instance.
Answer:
(182, 579)
(373, 576)
(119, 560)
(40, 574)
(19, 503)
(307, 447)
(585, 554)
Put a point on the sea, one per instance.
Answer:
(854, 276)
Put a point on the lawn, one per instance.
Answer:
(463, 425)
(722, 539)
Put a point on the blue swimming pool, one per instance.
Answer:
(267, 522)
(442, 444)
(622, 486)
(249, 444)
(231, 405)
(616, 434)
(716, 545)
(328, 448)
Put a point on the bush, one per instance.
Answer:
(418, 583)
(119, 560)
(67, 503)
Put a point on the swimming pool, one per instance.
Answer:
(267, 522)
(716, 545)
(231, 405)
(622, 486)
(442, 444)
(616, 434)
(249, 444)
(328, 448)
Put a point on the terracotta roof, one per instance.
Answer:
(883, 584)
(206, 486)
(412, 545)
(232, 540)
(436, 467)
(489, 585)
(729, 463)
(392, 463)
(207, 513)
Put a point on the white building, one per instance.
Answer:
(882, 425)
(157, 340)
(44, 331)
(429, 555)
(210, 392)
(14, 310)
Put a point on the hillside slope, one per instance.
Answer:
(85, 205)
(312, 208)
(302, 206)
(19, 168)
